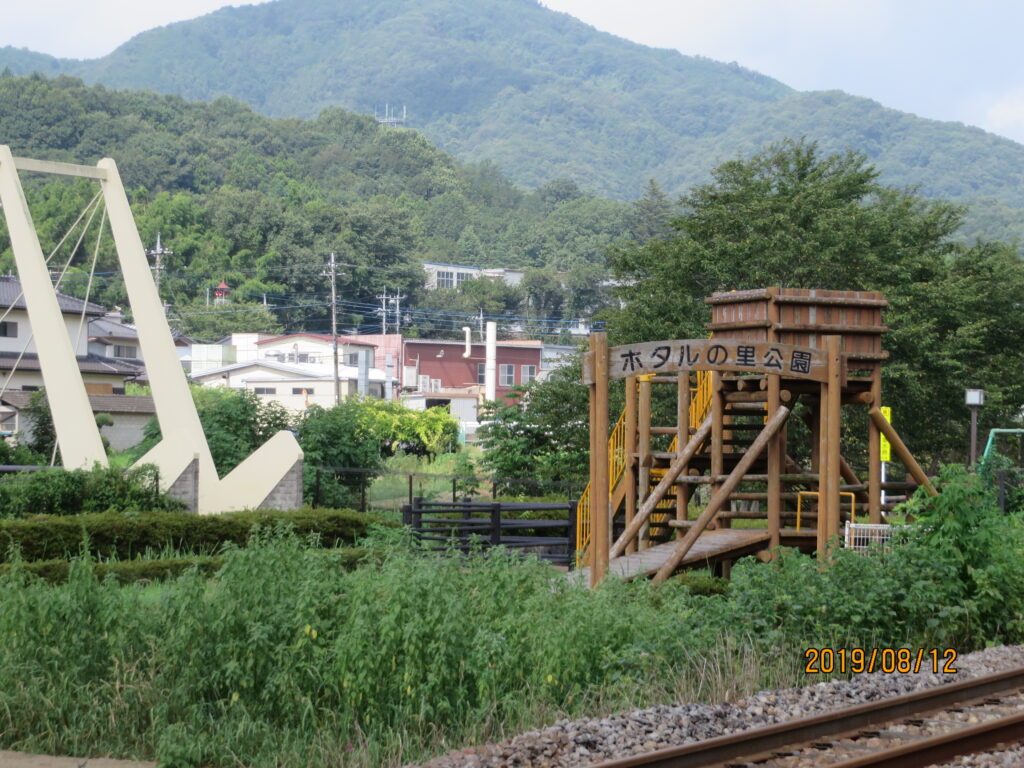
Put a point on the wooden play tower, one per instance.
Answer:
(734, 393)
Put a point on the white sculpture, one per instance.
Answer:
(182, 454)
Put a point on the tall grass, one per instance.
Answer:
(285, 659)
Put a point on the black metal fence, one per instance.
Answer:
(390, 489)
(465, 525)
(1010, 488)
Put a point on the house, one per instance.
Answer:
(130, 415)
(296, 387)
(440, 373)
(19, 363)
(296, 370)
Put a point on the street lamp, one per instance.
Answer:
(975, 398)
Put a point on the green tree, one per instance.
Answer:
(211, 323)
(235, 423)
(793, 216)
(536, 433)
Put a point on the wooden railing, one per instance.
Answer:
(700, 404)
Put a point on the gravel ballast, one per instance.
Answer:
(572, 743)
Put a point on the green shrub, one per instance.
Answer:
(158, 569)
(115, 535)
(68, 492)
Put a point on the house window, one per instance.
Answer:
(302, 390)
(461, 277)
(481, 373)
(129, 351)
(527, 373)
(445, 279)
(507, 375)
(9, 329)
(29, 388)
(265, 390)
(352, 358)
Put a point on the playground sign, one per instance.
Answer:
(713, 355)
(884, 446)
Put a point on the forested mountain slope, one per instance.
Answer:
(542, 95)
(260, 202)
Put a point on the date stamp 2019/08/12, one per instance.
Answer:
(827, 661)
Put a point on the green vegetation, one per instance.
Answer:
(284, 658)
(68, 492)
(795, 216)
(158, 568)
(125, 536)
(541, 433)
(260, 202)
(542, 96)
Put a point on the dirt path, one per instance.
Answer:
(22, 760)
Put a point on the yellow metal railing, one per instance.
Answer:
(800, 502)
(700, 404)
(616, 466)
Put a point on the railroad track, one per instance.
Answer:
(910, 731)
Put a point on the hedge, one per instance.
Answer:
(127, 571)
(115, 535)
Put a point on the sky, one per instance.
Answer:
(942, 59)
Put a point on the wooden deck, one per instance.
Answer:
(710, 548)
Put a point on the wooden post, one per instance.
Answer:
(720, 497)
(821, 522)
(902, 452)
(591, 548)
(833, 403)
(599, 491)
(495, 525)
(682, 438)
(875, 451)
(717, 414)
(630, 450)
(646, 460)
(775, 458)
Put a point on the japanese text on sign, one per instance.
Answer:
(885, 447)
(716, 355)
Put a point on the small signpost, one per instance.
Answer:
(884, 446)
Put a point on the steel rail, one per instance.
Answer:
(945, 746)
(761, 741)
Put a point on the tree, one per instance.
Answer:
(235, 423)
(539, 432)
(210, 324)
(651, 215)
(794, 217)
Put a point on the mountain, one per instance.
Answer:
(260, 202)
(543, 95)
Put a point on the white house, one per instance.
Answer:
(296, 370)
(19, 363)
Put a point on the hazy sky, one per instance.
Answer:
(944, 59)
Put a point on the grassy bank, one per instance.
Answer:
(283, 658)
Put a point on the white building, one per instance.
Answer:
(296, 370)
(454, 275)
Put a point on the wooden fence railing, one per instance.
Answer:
(463, 526)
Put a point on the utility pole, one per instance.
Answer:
(332, 272)
(397, 298)
(158, 267)
(384, 299)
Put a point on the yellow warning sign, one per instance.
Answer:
(885, 447)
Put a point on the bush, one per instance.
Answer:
(67, 492)
(158, 569)
(114, 535)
